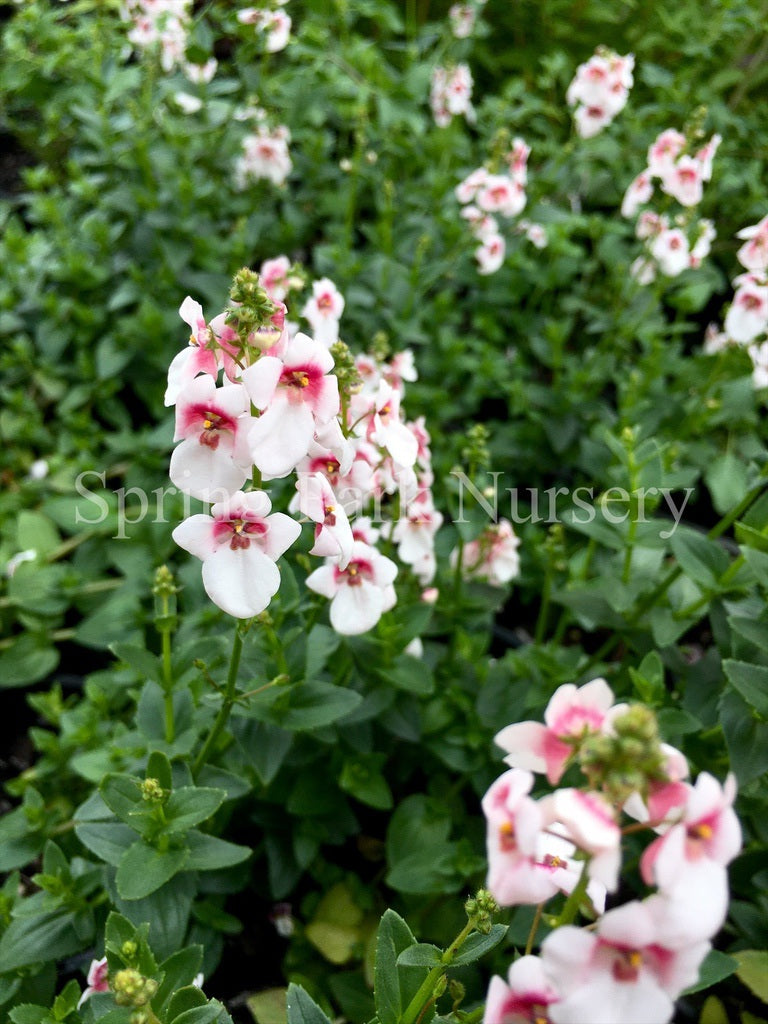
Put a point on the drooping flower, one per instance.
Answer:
(97, 980)
(333, 534)
(493, 557)
(198, 357)
(238, 545)
(754, 253)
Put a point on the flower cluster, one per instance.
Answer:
(746, 322)
(599, 90)
(290, 403)
(636, 958)
(273, 26)
(492, 557)
(486, 195)
(164, 23)
(450, 94)
(672, 244)
(265, 155)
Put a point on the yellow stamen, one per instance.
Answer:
(207, 424)
(635, 958)
(704, 831)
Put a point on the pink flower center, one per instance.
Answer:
(238, 533)
(750, 301)
(626, 964)
(355, 573)
(212, 422)
(325, 301)
(507, 840)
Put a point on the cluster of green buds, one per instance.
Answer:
(131, 988)
(347, 373)
(153, 792)
(253, 314)
(481, 909)
(475, 453)
(627, 760)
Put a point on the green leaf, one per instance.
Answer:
(159, 767)
(265, 746)
(122, 795)
(166, 912)
(147, 665)
(726, 478)
(313, 705)
(178, 971)
(28, 1013)
(701, 559)
(302, 1009)
(409, 674)
(393, 987)
(751, 682)
(478, 945)
(107, 839)
(29, 660)
(185, 999)
(753, 630)
(745, 737)
(37, 532)
(269, 1006)
(39, 937)
(209, 853)
(143, 869)
(321, 643)
(190, 805)
(715, 967)
(753, 971)
(423, 954)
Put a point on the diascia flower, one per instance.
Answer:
(238, 545)
(748, 316)
(298, 394)
(524, 998)
(572, 714)
(360, 593)
(620, 972)
(493, 556)
(198, 357)
(333, 534)
(98, 980)
(754, 253)
(212, 425)
(323, 311)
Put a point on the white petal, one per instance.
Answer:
(242, 581)
(261, 379)
(196, 536)
(356, 609)
(205, 473)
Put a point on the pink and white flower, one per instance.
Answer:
(684, 181)
(490, 255)
(524, 998)
(323, 311)
(200, 356)
(747, 318)
(273, 275)
(265, 155)
(639, 192)
(462, 19)
(600, 90)
(97, 980)
(333, 534)
(493, 557)
(754, 253)
(620, 972)
(589, 820)
(664, 151)
(298, 395)
(360, 593)
(514, 826)
(239, 544)
(573, 714)
(212, 424)
(671, 251)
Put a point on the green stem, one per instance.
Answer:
(424, 995)
(534, 929)
(574, 901)
(546, 594)
(226, 705)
